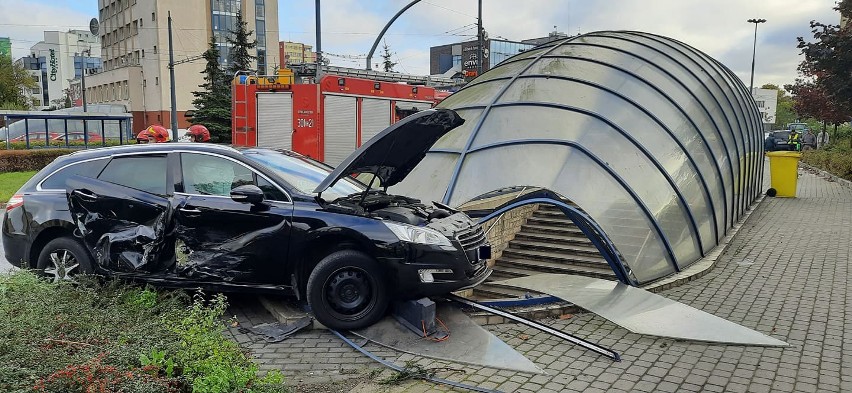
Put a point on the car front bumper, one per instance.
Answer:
(407, 280)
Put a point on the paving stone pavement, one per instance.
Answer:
(784, 274)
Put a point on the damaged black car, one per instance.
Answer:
(208, 216)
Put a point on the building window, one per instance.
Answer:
(155, 49)
(144, 82)
(157, 80)
(143, 53)
(153, 17)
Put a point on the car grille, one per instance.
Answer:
(471, 238)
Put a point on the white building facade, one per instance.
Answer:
(55, 62)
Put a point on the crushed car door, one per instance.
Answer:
(223, 240)
(123, 216)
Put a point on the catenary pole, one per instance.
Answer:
(172, 81)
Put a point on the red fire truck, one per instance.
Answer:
(326, 120)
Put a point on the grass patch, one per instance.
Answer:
(11, 182)
(115, 337)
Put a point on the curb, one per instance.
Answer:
(826, 175)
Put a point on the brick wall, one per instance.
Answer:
(502, 229)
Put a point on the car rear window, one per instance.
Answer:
(144, 173)
(56, 181)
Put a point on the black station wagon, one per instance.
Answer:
(203, 215)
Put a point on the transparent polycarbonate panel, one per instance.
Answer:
(457, 138)
(643, 312)
(723, 76)
(659, 143)
(429, 180)
(508, 69)
(637, 169)
(479, 94)
(711, 155)
(570, 172)
(692, 97)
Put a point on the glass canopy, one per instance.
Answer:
(657, 142)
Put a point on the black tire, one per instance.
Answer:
(347, 291)
(69, 254)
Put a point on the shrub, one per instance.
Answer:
(59, 337)
(837, 159)
(28, 160)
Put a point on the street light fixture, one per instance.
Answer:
(753, 52)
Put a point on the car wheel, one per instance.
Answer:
(63, 258)
(346, 291)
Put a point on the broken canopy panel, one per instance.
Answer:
(656, 141)
(643, 312)
(467, 342)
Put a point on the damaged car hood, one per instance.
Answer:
(394, 152)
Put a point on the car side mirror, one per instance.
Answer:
(247, 194)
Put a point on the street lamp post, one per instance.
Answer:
(753, 52)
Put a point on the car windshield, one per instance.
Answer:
(304, 174)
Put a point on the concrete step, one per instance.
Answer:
(567, 230)
(554, 246)
(489, 290)
(550, 220)
(554, 238)
(542, 266)
(554, 257)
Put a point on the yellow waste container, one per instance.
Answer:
(784, 172)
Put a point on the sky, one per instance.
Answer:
(349, 27)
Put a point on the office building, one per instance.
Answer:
(5, 47)
(55, 62)
(135, 43)
(296, 53)
(460, 59)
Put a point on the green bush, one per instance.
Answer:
(28, 160)
(837, 159)
(59, 337)
(60, 144)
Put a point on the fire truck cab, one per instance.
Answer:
(325, 121)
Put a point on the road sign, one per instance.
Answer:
(94, 26)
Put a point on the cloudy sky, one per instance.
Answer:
(718, 27)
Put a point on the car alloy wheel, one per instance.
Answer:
(63, 265)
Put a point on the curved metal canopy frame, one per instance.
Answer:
(700, 112)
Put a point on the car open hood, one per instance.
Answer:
(394, 152)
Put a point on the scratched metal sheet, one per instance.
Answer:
(468, 343)
(643, 312)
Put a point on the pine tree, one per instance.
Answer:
(213, 102)
(240, 57)
(387, 63)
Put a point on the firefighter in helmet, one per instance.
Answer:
(198, 133)
(153, 134)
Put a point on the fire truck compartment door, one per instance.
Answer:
(275, 120)
(375, 117)
(340, 120)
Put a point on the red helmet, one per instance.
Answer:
(157, 134)
(142, 137)
(198, 133)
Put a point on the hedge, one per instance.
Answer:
(836, 160)
(28, 160)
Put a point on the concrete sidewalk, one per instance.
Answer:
(785, 274)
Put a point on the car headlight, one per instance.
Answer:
(419, 235)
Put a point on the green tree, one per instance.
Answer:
(13, 80)
(241, 45)
(213, 103)
(784, 108)
(387, 63)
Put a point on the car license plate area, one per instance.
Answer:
(483, 252)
